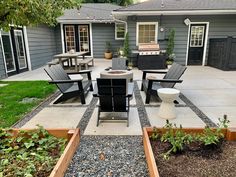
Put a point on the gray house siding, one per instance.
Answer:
(100, 34)
(2, 67)
(58, 39)
(220, 26)
(42, 45)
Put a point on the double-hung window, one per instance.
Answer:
(146, 32)
(120, 31)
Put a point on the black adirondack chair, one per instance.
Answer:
(114, 96)
(68, 87)
(150, 84)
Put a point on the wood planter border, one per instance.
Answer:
(230, 135)
(73, 137)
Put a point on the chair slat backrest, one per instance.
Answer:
(119, 64)
(112, 94)
(56, 72)
(175, 72)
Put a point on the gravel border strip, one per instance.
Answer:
(141, 107)
(197, 111)
(102, 156)
(87, 115)
(36, 110)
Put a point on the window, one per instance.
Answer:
(70, 37)
(146, 32)
(120, 31)
(197, 34)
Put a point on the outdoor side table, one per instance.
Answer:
(167, 108)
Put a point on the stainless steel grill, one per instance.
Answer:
(149, 49)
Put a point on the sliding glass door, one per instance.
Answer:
(14, 51)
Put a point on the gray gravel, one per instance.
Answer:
(140, 106)
(109, 156)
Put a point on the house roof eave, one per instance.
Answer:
(174, 12)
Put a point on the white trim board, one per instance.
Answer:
(146, 23)
(176, 12)
(205, 42)
(27, 49)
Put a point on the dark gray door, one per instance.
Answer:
(196, 44)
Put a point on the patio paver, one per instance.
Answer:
(114, 127)
(185, 116)
(57, 117)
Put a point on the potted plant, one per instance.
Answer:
(188, 147)
(126, 49)
(170, 48)
(108, 53)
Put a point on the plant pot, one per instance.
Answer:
(230, 135)
(108, 55)
(73, 137)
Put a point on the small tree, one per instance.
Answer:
(171, 43)
(32, 12)
(126, 45)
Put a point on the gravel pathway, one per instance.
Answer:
(109, 156)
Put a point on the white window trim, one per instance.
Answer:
(117, 38)
(205, 42)
(3, 52)
(146, 23)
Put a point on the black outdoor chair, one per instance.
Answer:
(114, 96)
(68, 87)
(150, 84)
(119, 64)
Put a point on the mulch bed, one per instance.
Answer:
(197, 161)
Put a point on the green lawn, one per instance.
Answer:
(11, 106)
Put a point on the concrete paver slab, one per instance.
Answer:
(212, 97)
(115, 127)
(57, 117)
(185, 116)
(218, 112)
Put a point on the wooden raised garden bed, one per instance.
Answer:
(229, 134)
(72, 136)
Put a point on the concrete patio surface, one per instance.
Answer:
(211, 90)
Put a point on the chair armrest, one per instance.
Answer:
(64, 81)
(154, 71)
(79, 72)
(130, 89)
(166, 80)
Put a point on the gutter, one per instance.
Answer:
(169, 12)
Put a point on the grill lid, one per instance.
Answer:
(148, 47)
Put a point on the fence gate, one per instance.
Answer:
(222, 53)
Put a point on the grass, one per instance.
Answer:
(11, 106)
